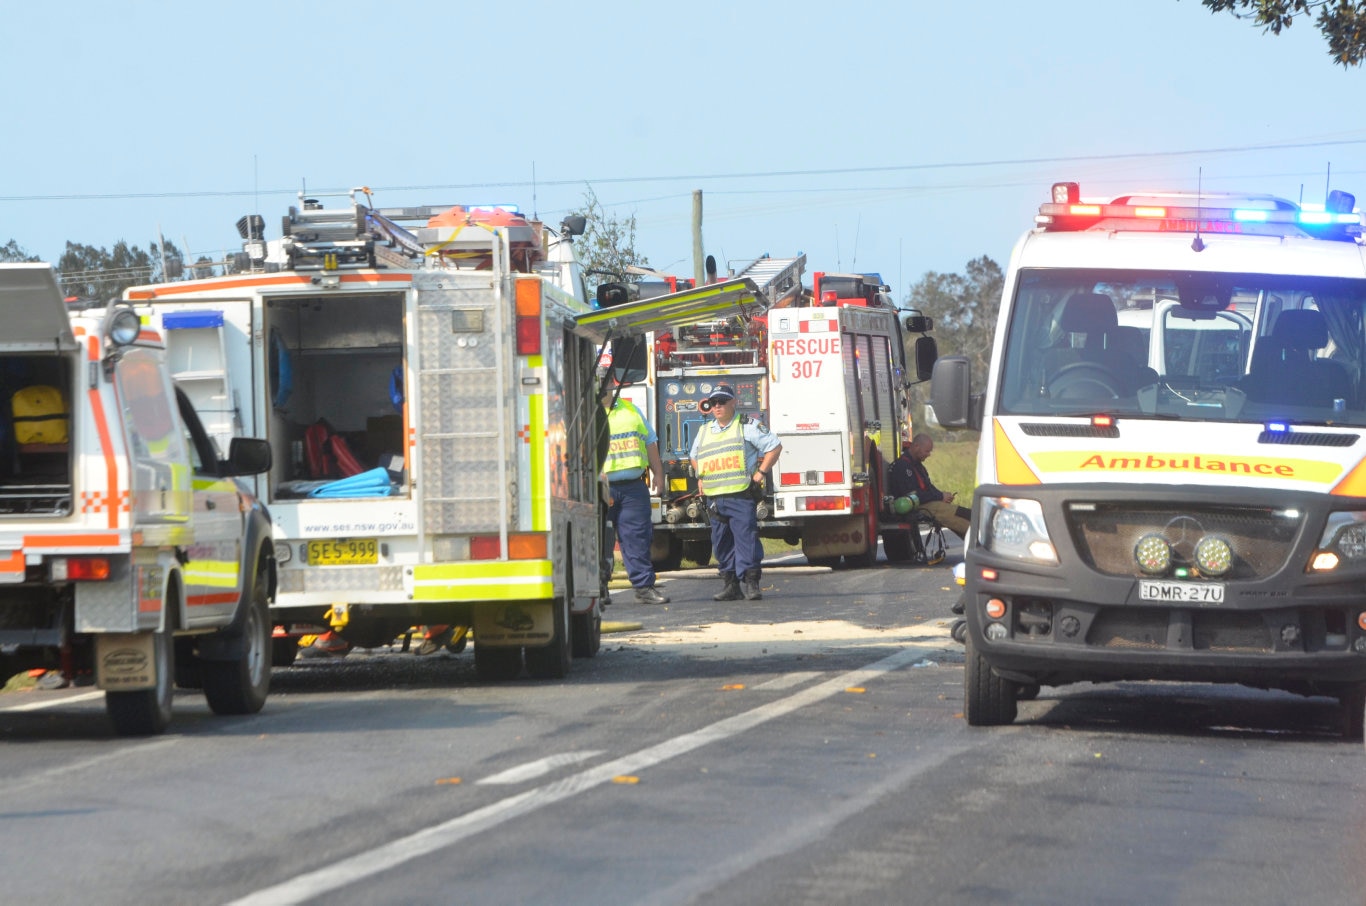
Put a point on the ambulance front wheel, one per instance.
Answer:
(988, 700)
(146, 712)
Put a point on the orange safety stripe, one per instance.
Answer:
(228, 597)
(98, 502)
(13, 564)
(91, 539)
(178, 289)
(111, 466)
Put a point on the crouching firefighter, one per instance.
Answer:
(731, 458)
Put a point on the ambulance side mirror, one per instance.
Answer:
(246, 456)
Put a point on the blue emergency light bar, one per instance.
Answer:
(1262, 215)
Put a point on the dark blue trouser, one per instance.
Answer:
(630, 513)
(735, 543)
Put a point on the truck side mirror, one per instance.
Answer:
(926, 354)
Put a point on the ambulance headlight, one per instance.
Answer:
(1345, 535)
(1013, 527)
(124, 327)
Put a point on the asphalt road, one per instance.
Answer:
(807, 748)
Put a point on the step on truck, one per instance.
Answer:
(432, 416)
(129, 554)
(1171, 479)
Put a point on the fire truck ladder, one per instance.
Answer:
(775, 277)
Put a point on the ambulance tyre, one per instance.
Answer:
(146, 712)
(988, 700)
(496, 664)
(552, 661)
(240, 685)
(1353, 701)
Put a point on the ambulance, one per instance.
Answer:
(432, 416)
(1171, 480)
(129, 554)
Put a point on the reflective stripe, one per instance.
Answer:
(511, 580)
(721, 460)
(626, 450)
(540, 498)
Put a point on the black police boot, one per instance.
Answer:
(732, 590)
(752, 592)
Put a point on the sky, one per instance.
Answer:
(900, 137)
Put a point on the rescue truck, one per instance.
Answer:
(433, 417)
(128, 552)
(830, 380)
(1171, 481)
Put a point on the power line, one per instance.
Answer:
(700, 177)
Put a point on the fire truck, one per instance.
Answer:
(830, 380)
(433, 419)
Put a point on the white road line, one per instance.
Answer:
(539, 768)
(788, 680)
(364, 865)
(54, 702)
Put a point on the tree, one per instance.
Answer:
(1343, 22)
(98, 275)
(964, 308)
(11, 252)
(608, 245)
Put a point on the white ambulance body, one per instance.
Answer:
(127, 549)
(432, 418)
(1172, 470)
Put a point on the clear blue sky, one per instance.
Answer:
(896, 137)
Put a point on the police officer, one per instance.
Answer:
(731, 458)
(633, 447)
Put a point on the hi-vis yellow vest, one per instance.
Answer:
(721, 459)
(627, 447)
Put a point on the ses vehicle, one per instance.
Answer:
(127, 549)
(431, 410)
(1172, 470)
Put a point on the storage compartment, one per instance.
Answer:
(337, 392)
(36, 434)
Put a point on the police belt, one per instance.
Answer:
(637, 480)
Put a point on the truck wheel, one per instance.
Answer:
(496, 664)
(897, 546)
(698, 552)
(189, 669)
(552, 661)
(283, 651)
(673, 559)
(146, 712)
(585, 632)
(988, 700)
(240, 685)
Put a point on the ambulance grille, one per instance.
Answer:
(1261, 538)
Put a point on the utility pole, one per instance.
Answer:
(699, 275)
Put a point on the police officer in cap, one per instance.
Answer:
(731, 458)
(632, 448)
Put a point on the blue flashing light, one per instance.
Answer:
(1277, 427)
(1245, 214)
(1316, 217)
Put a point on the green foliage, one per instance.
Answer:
(953, 467)
(98, 275)
(12, 253)
(1342, 22)
(964, 307)
(608, 246)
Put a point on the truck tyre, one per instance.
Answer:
(988, 700)
(146, 712)
(698, 552)
(240, 685)
(189, 669)
(552, 661)
(897, 546)
(496, 664)
(673, 559)
(283, 651)
(585, 632)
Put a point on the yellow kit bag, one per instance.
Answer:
(40, 415)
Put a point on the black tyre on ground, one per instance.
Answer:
(585, 632)
(898, 547)
(552, 661)
(988, 700)
(1353, 701)
(241, 684)
(145, 712)
(698, 552)
(496, 664)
